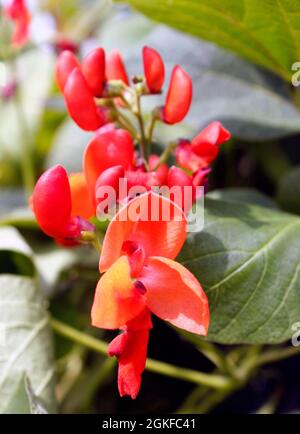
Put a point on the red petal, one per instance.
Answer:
(187, 159)
(116, 300)
(161, 172)
(179, 96)
(115, 69)
(80, 102)
(175, 295)
(131, 349)
(81, 202)
(156, 236)
(109, 178)
(51, 201)
(154, 69)
(182, 191)
(65, 64)
(93, 69)
(111, 147)
(206, 143)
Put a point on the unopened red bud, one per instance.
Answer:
(154, 69)
(93, 69)
(179, 96)
(80, 102)
(115, 69)
(109, 178)
(51, 201)
(65, 64)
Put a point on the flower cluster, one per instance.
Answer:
(139, 274)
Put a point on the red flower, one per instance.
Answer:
(203, 149)
(115, 69)
(154, 70)
(18, 12)
(58, 207)
(140, 275)
(110, 147)
(81, 104)
(80, 84)
(179, 96)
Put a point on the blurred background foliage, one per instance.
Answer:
(240, 55)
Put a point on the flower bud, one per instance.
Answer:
(179, 97)
(93, 70)
(80, 102)
(115, 69)
(51, 201)
(65, 64)
(154, 69)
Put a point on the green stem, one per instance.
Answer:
(273, 356)
(126, 124)
(214, 381)
(138, 115)
(151, 128)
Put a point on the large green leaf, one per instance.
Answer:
(248, 195)
(248, 261)
(23, 400)
(252, 103)
(26, 341)
(266, 32)
(288, 193)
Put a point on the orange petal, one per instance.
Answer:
(158, 237)
(81, 202)
(175, 295)
(116, 300)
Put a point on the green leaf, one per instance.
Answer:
(252, 103)
(248, 195)
(288, 194)
(263, 31)
(23, 401)
(248, 260)
(16, 256)
(26, 340)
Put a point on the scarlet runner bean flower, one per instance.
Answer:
(141, 277)
(80, 84)
(203, 149)
(58, 206)
(17, 11)
(139, 274)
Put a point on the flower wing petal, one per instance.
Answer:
(175, 295)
